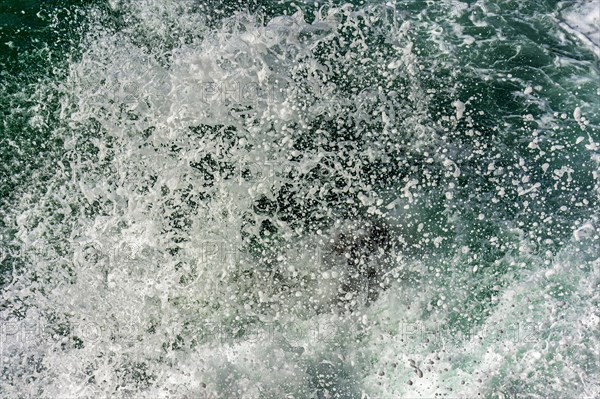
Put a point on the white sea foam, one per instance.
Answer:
(582, 19)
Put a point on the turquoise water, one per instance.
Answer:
(299, 199)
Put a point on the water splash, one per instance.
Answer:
(207, 228)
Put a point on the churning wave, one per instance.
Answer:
(310, 200)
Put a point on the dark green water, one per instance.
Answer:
(277, 199)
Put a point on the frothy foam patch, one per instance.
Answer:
(582, 20)
(189, 197)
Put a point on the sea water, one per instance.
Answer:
(277, 199)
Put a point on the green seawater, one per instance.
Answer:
(158, 239)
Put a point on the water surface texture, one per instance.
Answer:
(277, 199)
